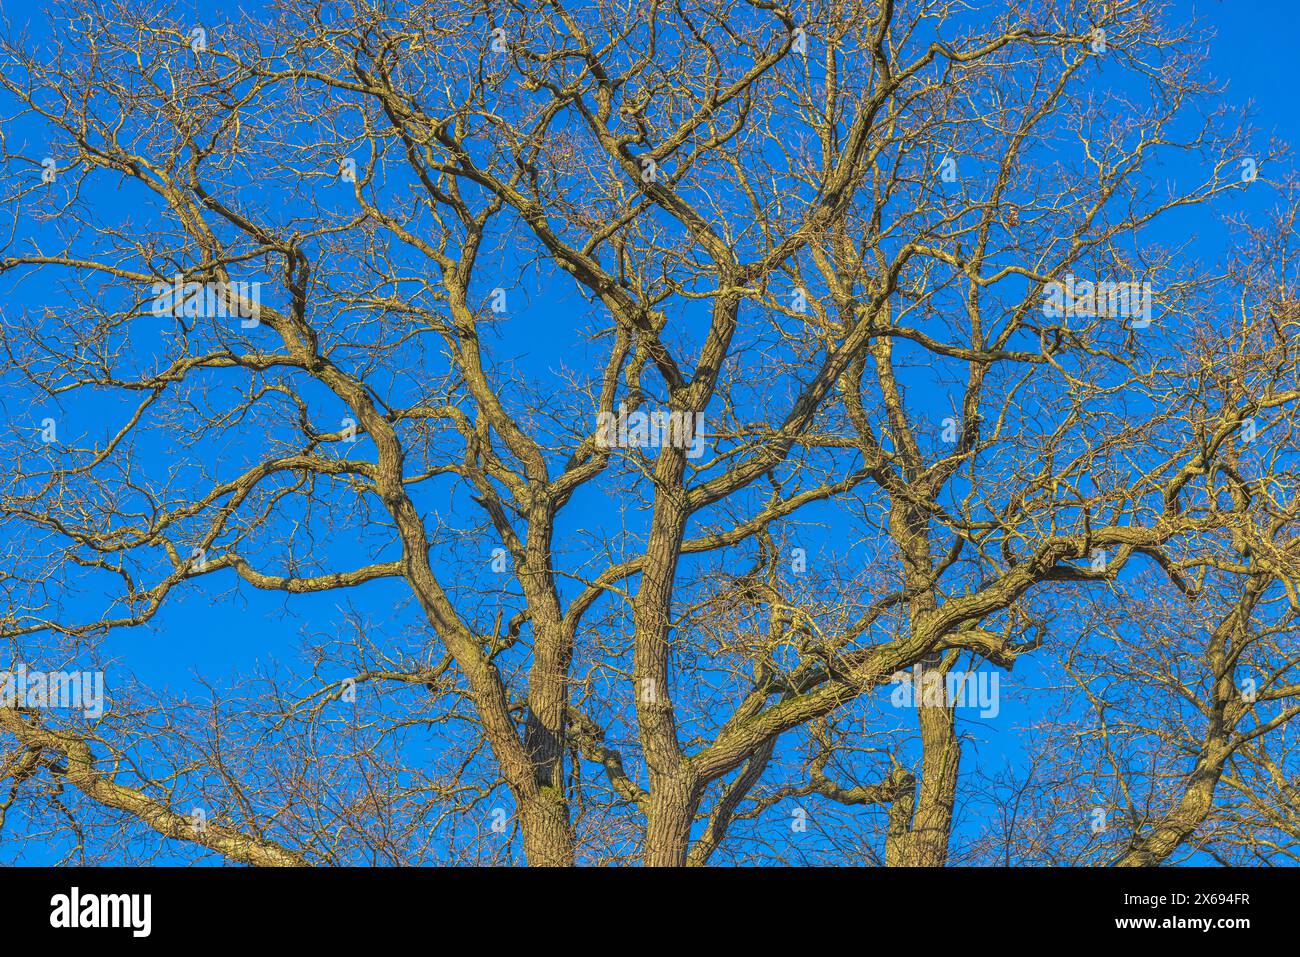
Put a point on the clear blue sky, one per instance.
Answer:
(1255, 54)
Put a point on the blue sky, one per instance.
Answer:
(220, 638)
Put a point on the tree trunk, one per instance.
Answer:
(932, 824)
(920, 825)
(548, 841)
(672, 805)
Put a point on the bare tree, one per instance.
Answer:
(872, 366)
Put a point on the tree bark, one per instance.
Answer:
(669, 814)
(548, 835)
